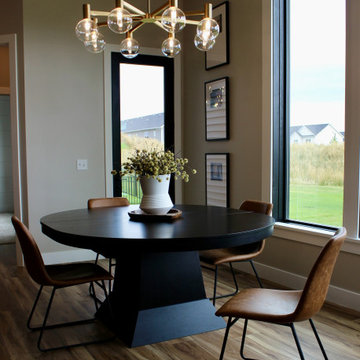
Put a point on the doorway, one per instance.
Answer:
(142, 113)
(10, 187)
(7, 234)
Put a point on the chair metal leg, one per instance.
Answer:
(215, 283)
(242, 346)
(91, 286)
(235, 282)
(256, 274)
(297, 341)
(44, 327)
(33, 309)
(225, 338)
(110, 266)
(45, 320)
(107, 300)
(318, 339)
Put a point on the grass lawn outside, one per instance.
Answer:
(318, 204)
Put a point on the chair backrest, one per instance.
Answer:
(33, 260)
(260, 207)
(317, 284)
(257, 206)
(107, 202)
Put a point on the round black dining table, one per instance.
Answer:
(158, 292)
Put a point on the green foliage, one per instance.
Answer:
(317, 164)
(155, 163)
(129, 143)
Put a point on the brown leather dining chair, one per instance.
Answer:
(57, 276)
(103, 203)
(285, 307)
(237, 254)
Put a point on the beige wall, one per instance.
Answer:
(64, 119)
(64, 109)
(245, 145)
(245, 87)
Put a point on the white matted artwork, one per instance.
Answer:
(219, 54)
(217, 109)
(217, 179)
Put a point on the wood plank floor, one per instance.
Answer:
(339, 330)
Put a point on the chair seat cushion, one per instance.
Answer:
(263, 304)
(240, 253)
(77, 273)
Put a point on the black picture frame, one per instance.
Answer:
(216, 96)
(219, 55)
(217, 179)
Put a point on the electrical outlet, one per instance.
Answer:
(82, 164)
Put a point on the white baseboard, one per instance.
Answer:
(336, 295)
(63, 257)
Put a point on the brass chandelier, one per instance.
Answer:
(126, 19)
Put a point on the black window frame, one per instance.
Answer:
(151, 60)
(281, 116)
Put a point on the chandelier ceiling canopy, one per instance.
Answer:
(126, 19)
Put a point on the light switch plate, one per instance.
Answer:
(82, 164)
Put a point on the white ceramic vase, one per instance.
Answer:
(156, 199)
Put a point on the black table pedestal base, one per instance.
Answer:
(175, 321)
(158, 297)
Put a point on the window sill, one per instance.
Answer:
(312, 236)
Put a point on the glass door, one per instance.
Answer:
(143, 113)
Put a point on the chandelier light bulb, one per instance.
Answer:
(126, 18)
(203, 45)
(83, 29)
(119, 20)
(96, 43)
(173, 19)
(171, 47)
(208, 29)
(129, 47)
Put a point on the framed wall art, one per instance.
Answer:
(219, 54)
(217, 109)
(217, 179)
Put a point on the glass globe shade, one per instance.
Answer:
(96, 44)
(83, 29)
(173, 19)
(171, 47)
(119, 21)
(208, 29)
(203, 45)
(129, 48)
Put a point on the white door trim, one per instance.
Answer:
(10, 40)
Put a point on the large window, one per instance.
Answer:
(309, 111)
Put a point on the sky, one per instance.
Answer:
(317, 62)
(144, 94)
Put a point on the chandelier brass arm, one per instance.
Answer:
(126, 19)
